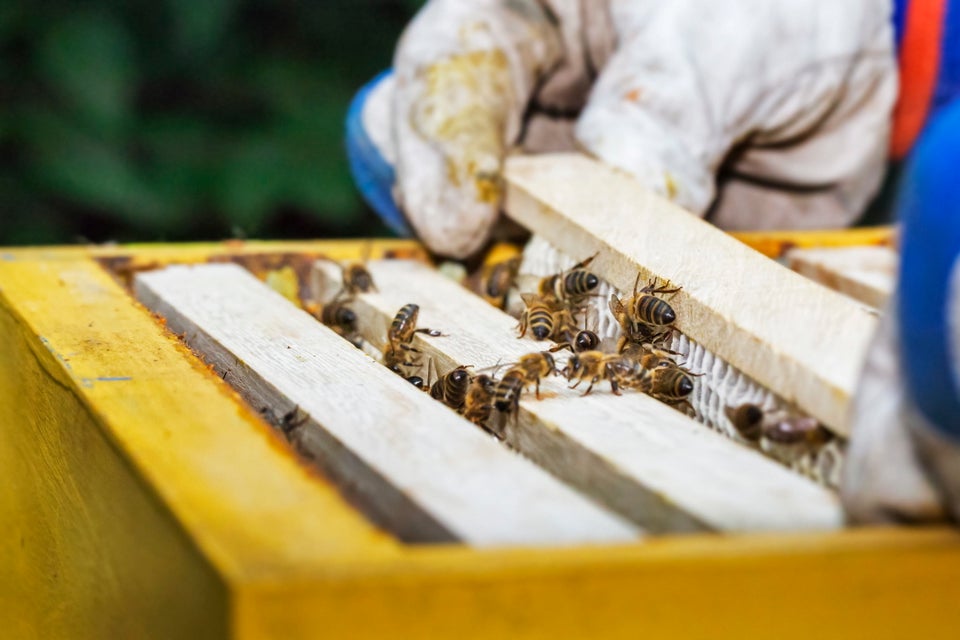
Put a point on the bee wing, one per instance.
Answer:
(590, 317)
(527, 282)
(494, 367)
(529, 298)
(616, 307)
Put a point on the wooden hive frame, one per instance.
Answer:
(144, 499)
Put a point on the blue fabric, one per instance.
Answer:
(899, 19)
(929, 210)
(373, 175)
(948, 82)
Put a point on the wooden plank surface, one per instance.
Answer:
(797, 338)
(639, 456)
(416, 465)
(867, 274)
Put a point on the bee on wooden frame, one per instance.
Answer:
(594, 366)
(495, 281)
(398, 352)
(645, 316)
(584, 340)
(355, 275)
(451, 387)
(544, 317)
(747, 419)
(478, 403)
(571, 286)
(797, 430)
(672, 385)
(338, 315)
(530, 369)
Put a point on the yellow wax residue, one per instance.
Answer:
(671, 185)
(463, 112)
(285, 282)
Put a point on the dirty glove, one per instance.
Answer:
(784, 105)
(903, 463)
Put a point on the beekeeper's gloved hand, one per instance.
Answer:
(904, 458)
(783, 106)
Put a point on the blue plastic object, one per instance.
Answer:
(372, 174)
(929, 210)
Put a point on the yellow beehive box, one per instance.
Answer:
(143, 498)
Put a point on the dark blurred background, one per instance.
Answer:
(128, 120)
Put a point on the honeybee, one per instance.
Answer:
(671, 385)
(584, 341)
(288, 421)
(337, 315)
(530, 369)
(570, 287)
(796, 431)
(356, 278)
(648, 356)
(595, 366)
(399, 352)
(496, 280)
(451, 388)
(644, 317)
(631, 373)
(478, 403)
(542, 316)
(747, 419)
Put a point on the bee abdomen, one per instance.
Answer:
(672, 384)
(541, 322)
(359, 279)
(508, 390)
(404, 319)
(580, 282)
(340, 316)
(454, 388)
(653, 310)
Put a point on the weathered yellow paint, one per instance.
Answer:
(141, 498)
(86, 549)
(158, 443)
(160, 254)
(859, 584)
(775, 243)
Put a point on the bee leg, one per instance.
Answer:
(590, 388)
(435, 333)
(685, 407)
(523, 324)
(579, 380)
(622, 342)
(614, 386)
(538, 389)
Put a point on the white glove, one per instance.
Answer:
(786, 105)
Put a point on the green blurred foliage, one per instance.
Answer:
(176, 119)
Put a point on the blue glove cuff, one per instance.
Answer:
(929, 210)
(372, 174)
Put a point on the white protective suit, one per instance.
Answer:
(786, 104)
